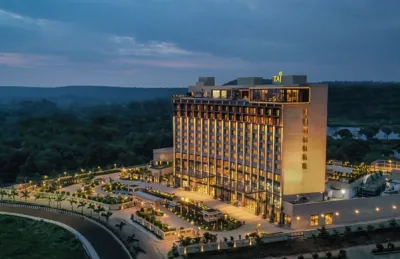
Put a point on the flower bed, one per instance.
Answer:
(110, 199)
(116, 186)
(162, 195)
(153, 220)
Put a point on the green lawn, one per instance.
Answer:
(22, 238)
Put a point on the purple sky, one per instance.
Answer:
(148, 43)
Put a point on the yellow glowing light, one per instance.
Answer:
(322, 215)
(394, 207)
(377, 209)
(298, 218)
(357, 211)
(337, 213)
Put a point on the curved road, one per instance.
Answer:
(102, 241)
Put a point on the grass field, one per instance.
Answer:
(22, 238)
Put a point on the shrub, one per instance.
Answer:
(342, 254)
(390, 246)
(315, 256)
(379, 247)
(300, 257)
(328, 255)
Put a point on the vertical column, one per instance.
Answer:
(273, 170)
(188, 144)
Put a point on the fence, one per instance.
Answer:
(168, 235)
(275, 237)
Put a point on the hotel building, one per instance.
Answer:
(252, 143)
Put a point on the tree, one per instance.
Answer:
(387, 130)
(98, 210)
(131, 239)
(107, 215)
(315, 256)
(50, 199)
(38, 196)
(92, 208)
(323, 232)
(59, 198)
(13, 193)
(81, 205)
(72, 202)
(368, 133)
(2, 194)
(25, 194)
(120, 225)
(345, 134)
(328, 255)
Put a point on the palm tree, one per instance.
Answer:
(120, 225)
(59, 198)
(107, 215)
(2, 194)
(131, 239)
(92, 208)
(25, 194)
(50, 199)
(38, 196)
(81, 205)
(72, 202)
(13, 193)
(98, 210)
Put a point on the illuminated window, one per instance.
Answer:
(328, 219)
(305, 139)
(305, 121)
(216, 93)
(305, 112)
(305, 130)
(314, 220)
(304, 156)
(304, 148)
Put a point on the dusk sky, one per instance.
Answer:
(169, 43)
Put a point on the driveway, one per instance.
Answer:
(102, 241)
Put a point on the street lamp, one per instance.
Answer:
(257, 227)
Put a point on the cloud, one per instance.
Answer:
(143, 41)
(25, 60)
(129, 46)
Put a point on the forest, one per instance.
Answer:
(41, 137)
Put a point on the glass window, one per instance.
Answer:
(224, 94)
(314, 220)
(329, 219)
(216, 93)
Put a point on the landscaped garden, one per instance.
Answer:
(358, 172)
(150, 216)
(114, 186)
(26, 238)
(193, 212)
(139, 173)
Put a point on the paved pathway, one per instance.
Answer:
(235, 212)
(102, 241)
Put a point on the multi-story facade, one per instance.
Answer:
(251, 144)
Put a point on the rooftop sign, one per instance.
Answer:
(278, 78)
